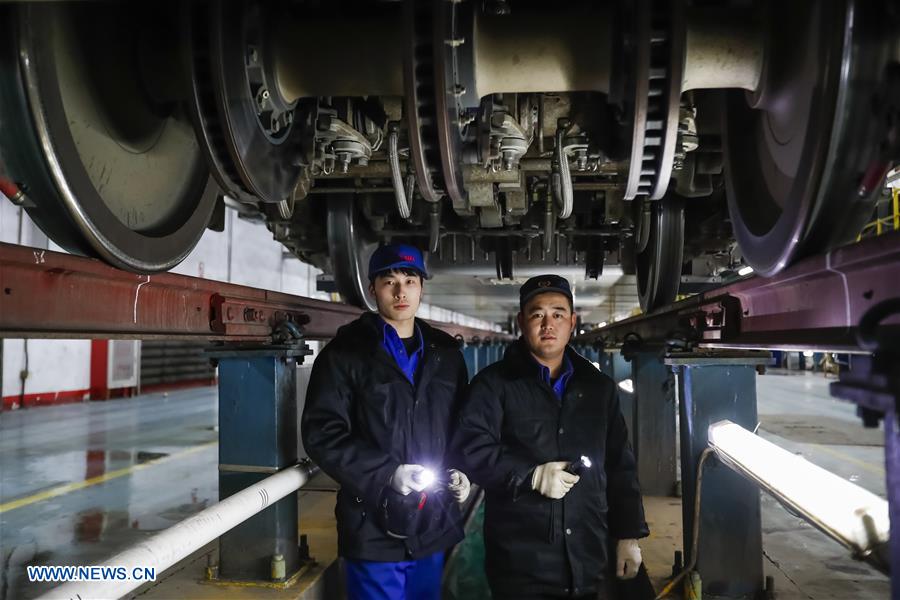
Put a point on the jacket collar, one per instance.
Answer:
(520, 360)
(371, 328)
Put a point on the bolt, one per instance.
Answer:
(581, 159)
(212, 568)
(278, 567)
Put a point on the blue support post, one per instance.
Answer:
(614, 364)
(618, 369)
(470, 355)
(484, 355)
(653, 423)
(729, 557)
(257, 438)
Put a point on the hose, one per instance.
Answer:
(434, 228)
(547, 242)
(566, 198)
(403, 204)
(695, 534)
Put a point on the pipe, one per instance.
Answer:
(695, 531)
(566, 198)
(403, 201)
(434, 227)
(166, 548)
(474, 173)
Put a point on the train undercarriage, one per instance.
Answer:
(503, 137)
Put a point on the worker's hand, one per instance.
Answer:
(459, 485)
(628, 559)
(551, 479)
(406, 479)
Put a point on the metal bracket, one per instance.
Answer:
(238, 316)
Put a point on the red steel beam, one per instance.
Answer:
(47, 294)
(814, 304)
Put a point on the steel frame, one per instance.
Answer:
(815, 304)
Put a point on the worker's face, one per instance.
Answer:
(397, 295)
(547, 322)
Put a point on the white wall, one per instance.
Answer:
(244, 253)
(53, 366)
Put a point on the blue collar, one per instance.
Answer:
(559, 385)
(395, 347)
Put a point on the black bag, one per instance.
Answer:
(416, 514)
(400, 516)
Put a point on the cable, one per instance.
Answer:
(695, 534)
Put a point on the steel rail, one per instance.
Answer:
(46, 294)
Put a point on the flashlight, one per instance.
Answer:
(577, 466)
(424, 477)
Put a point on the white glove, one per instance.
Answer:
(552, 481)
(628, 559)
(459, 485)
(404, 480)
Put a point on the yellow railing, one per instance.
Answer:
(889, 223)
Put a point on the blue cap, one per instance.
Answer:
(543, 284)
(397, 256)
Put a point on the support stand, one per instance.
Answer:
(712, 387)
(257, 438)
(653, 423)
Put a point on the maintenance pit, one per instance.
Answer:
(130, 497)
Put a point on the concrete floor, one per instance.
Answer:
(79, 483)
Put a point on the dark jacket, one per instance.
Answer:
(512, 422)
(363, 418)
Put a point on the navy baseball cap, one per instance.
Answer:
(543, 284)
(397, 256)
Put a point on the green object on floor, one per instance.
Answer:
(464, 577)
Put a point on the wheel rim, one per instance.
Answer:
(796, 152)
(131, 188)
(350, 247)
(658, 266)
(258, 158)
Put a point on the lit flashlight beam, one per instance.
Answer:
(854, 517)
(425, 477)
